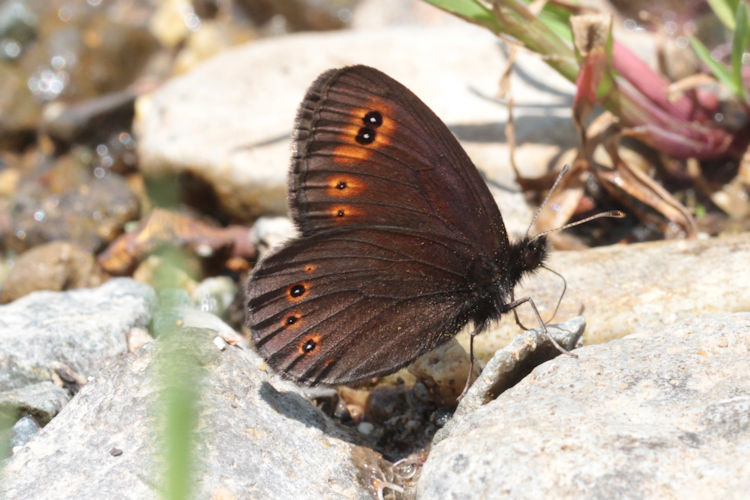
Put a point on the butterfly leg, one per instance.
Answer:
(518, 302)
(515, 314)
(477, 330)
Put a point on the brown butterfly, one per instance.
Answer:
(401, 241)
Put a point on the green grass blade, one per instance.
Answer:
(724, 10)
(178, 373)
(739, 44)
(471, 10)
(720, 71)
(557, 24)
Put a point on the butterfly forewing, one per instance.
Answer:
(368, 151)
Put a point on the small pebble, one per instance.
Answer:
(137, 338)
(23, 431)
(365, 428)
(220, 343)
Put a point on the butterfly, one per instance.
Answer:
(401, 243)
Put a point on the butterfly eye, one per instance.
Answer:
(373, 119)
(365, 136)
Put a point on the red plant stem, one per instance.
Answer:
(676, 137)
(651, 84)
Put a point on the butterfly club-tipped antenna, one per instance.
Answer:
(610, 213)
(617, 214)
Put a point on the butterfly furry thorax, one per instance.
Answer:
(495, 280)
(401, 242)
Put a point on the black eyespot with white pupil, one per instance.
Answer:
(291, 320)
(365, 136)
(309, 346)
(373, 119)
(340, 213)
(297, 290)
(341, 185)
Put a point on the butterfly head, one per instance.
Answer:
(527, 255)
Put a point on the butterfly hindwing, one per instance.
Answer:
(338, 307)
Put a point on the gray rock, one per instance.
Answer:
(76, 332)
(650, 415)
(255, 437)
(513, 362)
(43, 400)
(176, 308)
(640, 287)
(23, 431)
(443, 370)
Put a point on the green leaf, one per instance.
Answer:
(471, 10)
(721, 72)
(556, 18)
(559, 25)
(739, 43)
(724, 10)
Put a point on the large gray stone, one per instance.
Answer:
(44, 333)
(255, 437)
(626, 288)
(650, 415)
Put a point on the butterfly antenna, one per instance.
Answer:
(546, 198)
(615, 214)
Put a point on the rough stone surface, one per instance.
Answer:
(76, 331)
(23, 431)
(43, 400)
(513, 362)
(649, 415)
(254, 439)
(640, 287)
